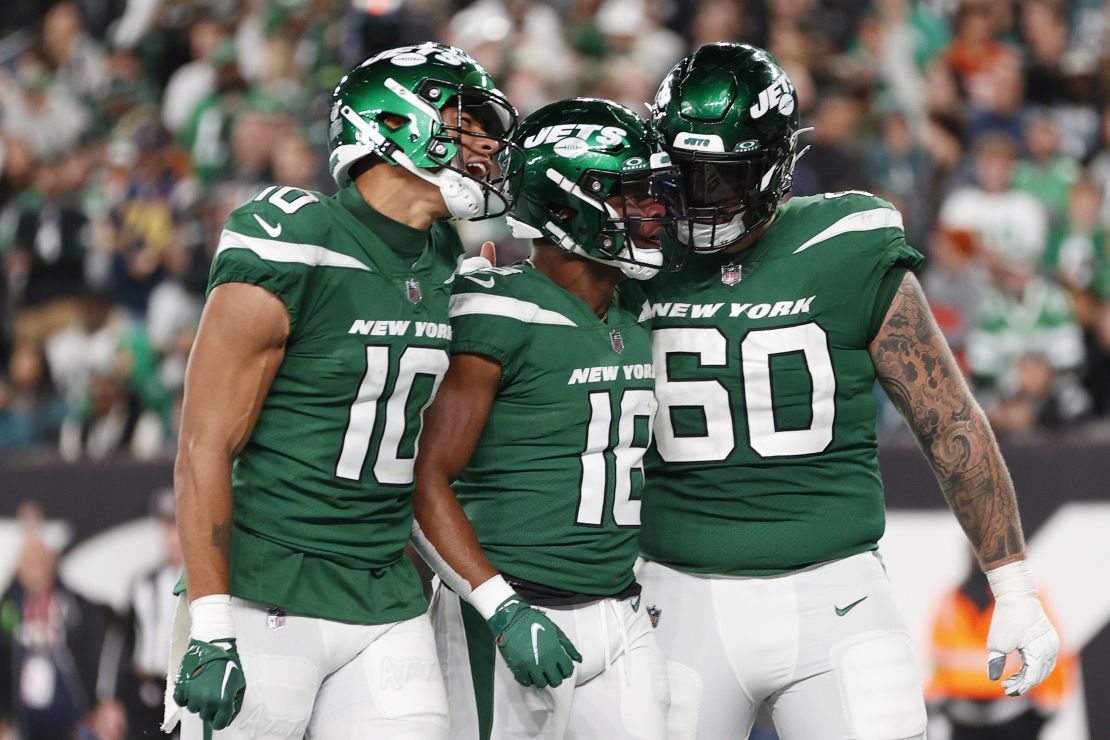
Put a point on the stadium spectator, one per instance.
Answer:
(195, 80)
(953, 286)
(1100, 164)
(144, 219)
(152, 606)
(40, 110)
(1041, 398)
(108, 375)
(1077, 249)
(1022, 313)
(899, 170)
(31, 412)
(1009, 226)
(833, 162)
(45, 250)
(1046, 173)
(959, 688)
(50, 648)
(78, 60)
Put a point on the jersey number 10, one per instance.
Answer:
(391, 466)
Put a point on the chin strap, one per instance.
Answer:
(464, 197)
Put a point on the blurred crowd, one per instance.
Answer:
(129, 129)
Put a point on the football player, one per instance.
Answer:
(764, 505)
(538, 432)
(324, 337)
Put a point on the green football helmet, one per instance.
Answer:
(728, 116)
(595, 183)
(392, 106)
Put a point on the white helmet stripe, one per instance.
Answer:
(567, 185)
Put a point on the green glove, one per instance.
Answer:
(210, 681)
(535, 649)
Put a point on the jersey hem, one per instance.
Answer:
(711, 571)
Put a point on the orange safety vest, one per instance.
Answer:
(959, 652)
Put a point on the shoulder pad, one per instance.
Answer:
(282, 213)
(824, 217)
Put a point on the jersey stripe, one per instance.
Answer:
(465, 304)
(278, 251)
(872, 220)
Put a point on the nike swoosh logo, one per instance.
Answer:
(636, 604)
(487, 283)
(227, 674)
(273, 231)
(840, 612)
(536, 630)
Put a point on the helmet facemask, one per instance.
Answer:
(434, 111)
(728, 115)
(627, 213)
(729, 195)
(468, 194)
(642, 205)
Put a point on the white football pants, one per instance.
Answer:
(824, 648)
(325, 680)
(618, 691)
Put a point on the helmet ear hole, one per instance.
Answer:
(392, 121)
(363, 165)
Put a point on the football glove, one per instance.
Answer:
(1019, 623)
(537, 652)
(210, 681)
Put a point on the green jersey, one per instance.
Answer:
(323, 488)
(553, 488)
(765, 459)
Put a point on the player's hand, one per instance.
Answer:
(537, 652)
(487, 257)
(1019, 623)
(210, 681)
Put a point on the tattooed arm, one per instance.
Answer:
(240, 344)
(919, 374)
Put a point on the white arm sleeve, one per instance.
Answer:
(431, 556)
(485, 599)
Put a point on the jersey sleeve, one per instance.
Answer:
(485, 317)
(259, 246)
(895, 259)
(881, 257)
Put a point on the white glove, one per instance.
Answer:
(1019, 623)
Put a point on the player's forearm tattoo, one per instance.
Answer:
(919, 374)
(221, 536)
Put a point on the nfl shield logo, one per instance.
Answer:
(616, 340)
(412, 289)
(730, 274)
(275, 618)
(653, 613)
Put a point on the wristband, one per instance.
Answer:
(210, 618)
(490, 595)
(1012, 579)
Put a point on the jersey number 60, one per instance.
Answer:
(710, 349)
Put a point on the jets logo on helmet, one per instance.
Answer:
(598, 188)
(412, 56)
(410, 107)
(600, 135)
(728, 116)
(778, 95)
